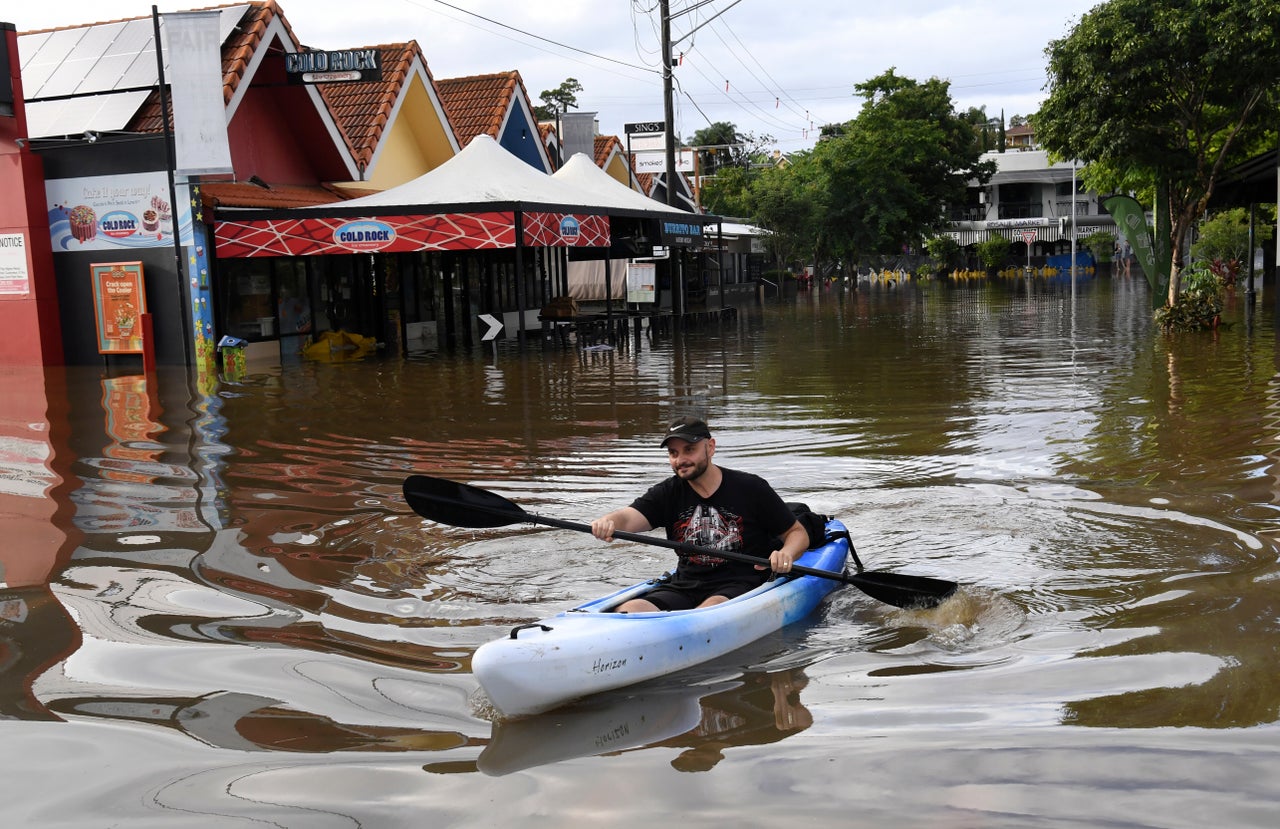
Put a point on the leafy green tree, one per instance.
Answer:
(723, 147)
(1223, 241)
(728, 193)
(944, 250)
(906, 155)
(977, 118)
(1199, 305)
(830, 131)
(1162, 96)
(559, 100)
(1101, 243)
(993, 251)
(790, 201)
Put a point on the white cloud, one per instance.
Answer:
(781, 61)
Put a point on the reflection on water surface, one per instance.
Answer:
(217, 609)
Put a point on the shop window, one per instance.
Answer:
(418, 285)
(247, 299)
(265, 299)
(293, 301)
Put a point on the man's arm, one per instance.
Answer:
(794, 542)
(627, 520)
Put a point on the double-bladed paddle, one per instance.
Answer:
(460, 505)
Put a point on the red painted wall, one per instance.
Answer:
(277, 135)
(30, 331)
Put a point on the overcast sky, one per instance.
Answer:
(771, 68)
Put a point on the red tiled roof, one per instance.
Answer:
(237, 52)
(363, 110)
(346, 191)
(551, 141)
(244, 194)
(477, 105)
(604, 147)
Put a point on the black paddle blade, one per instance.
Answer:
(903, 591)
(459, 505)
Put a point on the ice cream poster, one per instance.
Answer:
(119, 212)
(119, 301)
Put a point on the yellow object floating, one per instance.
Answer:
(336, 346)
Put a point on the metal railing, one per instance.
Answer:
(1084, 207)
(1021, 210)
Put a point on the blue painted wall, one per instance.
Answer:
(520, 138)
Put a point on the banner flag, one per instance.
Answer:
(1131, 219)
(194, 51)
(1164, 233)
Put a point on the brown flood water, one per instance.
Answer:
(217, 610)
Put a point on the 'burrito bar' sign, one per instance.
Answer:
(342, 66)
(681, 234)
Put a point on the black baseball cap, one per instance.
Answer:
(691, 429)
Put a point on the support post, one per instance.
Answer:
(171, 164)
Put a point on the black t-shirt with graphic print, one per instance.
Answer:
(743, 515)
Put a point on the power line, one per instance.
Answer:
(693, 103)
(647, 13)
(541, 38)
(744, 103)
(749, 108)
(781, 93)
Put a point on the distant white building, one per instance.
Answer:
(1029, 199)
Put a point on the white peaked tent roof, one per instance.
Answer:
(483, 174)
(742, 229)
(582, 173)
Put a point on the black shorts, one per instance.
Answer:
(679, 595)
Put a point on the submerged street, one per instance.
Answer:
(221, 611)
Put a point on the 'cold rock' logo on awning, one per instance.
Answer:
(364, 235)
(569, 228)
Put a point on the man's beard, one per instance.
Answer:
(693, 471)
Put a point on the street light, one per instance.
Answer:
(1073, 226)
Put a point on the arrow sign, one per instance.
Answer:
(495, 326)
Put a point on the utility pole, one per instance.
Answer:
(668, 107)
(668, 114)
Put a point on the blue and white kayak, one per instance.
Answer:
(589, 649)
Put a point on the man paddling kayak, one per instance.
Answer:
(711, 507)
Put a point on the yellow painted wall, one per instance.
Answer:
(417, 141)
(616, 167)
